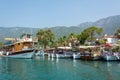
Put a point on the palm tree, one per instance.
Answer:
(45, 37)
(62, 41)
(72, 38)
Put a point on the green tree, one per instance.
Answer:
(103, 41)
(90, 33)
(72, 39)
(1, 45)
(62, 41)
(117, 33)
(83, 37)
(45, 37)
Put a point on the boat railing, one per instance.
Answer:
(25, 39)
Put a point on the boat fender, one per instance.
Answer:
(7, 53)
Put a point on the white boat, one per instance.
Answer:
(24, 54)
(40, 53)
(76, 55)
(22, 47)
(53, 55)
(64, 55)
(109, 56)
(64, 52)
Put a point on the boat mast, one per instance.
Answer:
(32, 39)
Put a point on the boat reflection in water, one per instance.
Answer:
(43, 68)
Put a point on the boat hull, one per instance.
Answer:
(95, 58)
(28, 54)
(40, 53)
(110, 57)
(63, 56)
(86, 57)
(76, 56)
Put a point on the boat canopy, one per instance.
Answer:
(87, 46)
(65, 47)
(25, 36)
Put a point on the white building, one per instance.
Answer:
(110, 39)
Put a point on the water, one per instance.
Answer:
(57, 69)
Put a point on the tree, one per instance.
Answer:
(72, 39)
(90, 33)
(83, 37)
(117, 33)
(62, 41)
(45, 37)
(103, 41)
(1, 45)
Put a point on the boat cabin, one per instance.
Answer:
(25, 41)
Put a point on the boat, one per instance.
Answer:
(65, 54)
(110, 53)
(40, 53)
(51, 53)
(60, 52)
(96, 54)
(91, 53)
(110, 56)
(86, 55)
(22, 47)
(76, 54)
(26, 54)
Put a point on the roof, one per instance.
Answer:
(87, 46)
(9, 39)
(109, 37)
(65, 47)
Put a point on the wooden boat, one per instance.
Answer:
(93, 54)
(86, 56)
(21, 47)
(87, 53)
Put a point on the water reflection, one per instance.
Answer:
(113, 70)
(14, 68)
(44, 68)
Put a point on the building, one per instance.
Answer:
(110, 39)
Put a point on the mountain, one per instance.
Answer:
(109, 24)
(12, 32)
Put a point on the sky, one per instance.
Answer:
(51, 13)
